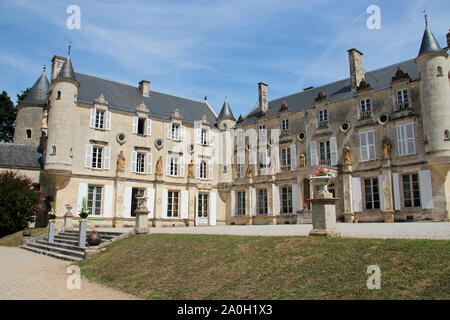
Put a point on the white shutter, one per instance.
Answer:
(396, 187)
(151, 202)
(211, 137)
(333, 151)
(410, 144)
(313, 150)
(127, 202)
(149, 127)
(184, 204)
(276, 156)
(212, 209)
(149, 163)
(92, 119)
(381, 191)
(107, 158)
(233, 203)
(363, 146)
(241, 162)
(133, 161)
(357, 198)
(371, 145)
(168, 166)
(400, 140)
(277, 199)
(108, 202)
(196, 206)
(253, 202)
(82, 193)
(164, 203)
(88, 159)
(293, 156)
(255, 161)
(183, 132)
(210, 169)
(426, 189)
(108, 120)
(181, 172)
(198, 135)
(197, 169)
(294, 198)
(169, 131)
(135, 124)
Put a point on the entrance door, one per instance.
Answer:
(202, 209)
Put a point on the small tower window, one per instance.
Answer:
(53, 150)
(439, 72)
(446, 135)
(28, 133)
(58, 97)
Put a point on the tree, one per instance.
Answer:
(21, 96)
(7, 118)
(19, 202)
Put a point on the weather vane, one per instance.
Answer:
(70, 47)
(44, 68)
(426, 17)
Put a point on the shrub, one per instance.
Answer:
(19, 202)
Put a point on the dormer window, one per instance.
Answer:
(100, 119)
(402, 99)
(285, 124)
(365, 108)
(175, 131)
(142, 126)
(204, 137)
(323, 118)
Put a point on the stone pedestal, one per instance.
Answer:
(389, 216)
(324, 217)
(51, 231)
(141, 224)
(68, 220)
(82, 233)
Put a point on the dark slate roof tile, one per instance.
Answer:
(20, 156)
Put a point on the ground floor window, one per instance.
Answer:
(306, 194)
(262, 201)
(172, 204)
(241, 203)
(94, 202)
(286, 200)
(411, 193)
(332, 189)
(135, 192)
(371, 194)
(202, 205)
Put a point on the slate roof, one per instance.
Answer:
(429, 42)
(126, 97)
(66, 71)
(38, 93)
(337, 91)
(20, 156)
(225, 112)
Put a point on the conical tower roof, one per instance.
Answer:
(39, 91)
(226, 113)
(429, 42)
(66, 71)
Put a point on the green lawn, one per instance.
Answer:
(15, 239)
(162, 266)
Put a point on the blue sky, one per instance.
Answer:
(214, 48)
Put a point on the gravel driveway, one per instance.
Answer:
(26, 275)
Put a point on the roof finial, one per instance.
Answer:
(70, 47)
(426, 18)
(44, 68)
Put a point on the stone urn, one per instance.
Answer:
(94, 238)
(322, 178)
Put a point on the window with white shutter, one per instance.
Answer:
(405, 139)
(367, 145)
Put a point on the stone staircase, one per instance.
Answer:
(65, 246)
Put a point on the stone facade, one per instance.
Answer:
(385, 133)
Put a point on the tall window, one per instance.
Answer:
(264, 159)
(411, 193)
(286, 200)
(405, 139)
(141, 125)
(402, 99)
(99, 119)
(175, 131)
(94, 202)
(262, 201)
(172, 204)
(202, 205)
(323, 118)
(371, 194)
(173, 170)
(97, 157)
(285, 124)
(286, 157)
(367, 145)
(203, 169)
(140, 162)
(241, 165)
(365, 108)
(324, 153)
(204, 137)
(241, 203)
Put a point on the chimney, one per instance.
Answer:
(355, 59)
(57, 63)
(263, 97)
(144, 87)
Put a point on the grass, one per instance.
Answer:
(15, 239)
(163, 266)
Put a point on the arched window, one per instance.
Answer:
(439, 72)
(28, 133)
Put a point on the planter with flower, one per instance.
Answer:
(322, 177)
(93, 237)
(51, 224)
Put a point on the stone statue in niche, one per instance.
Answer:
(159, 166)
(121, 161)
(346, 151)
(386, 149)
(302, 161)
(250, 171)
(191, 170)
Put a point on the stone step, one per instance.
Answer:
(53, 254)
(107, 233)
(71, 242)
(62, 245)
(73, 236)
(49, 247)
